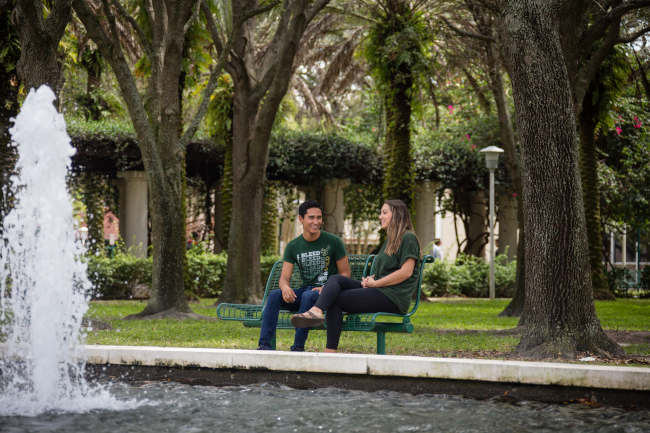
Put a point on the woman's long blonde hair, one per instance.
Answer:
(399, 224)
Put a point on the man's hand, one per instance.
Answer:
(288, 295)
(319, 289)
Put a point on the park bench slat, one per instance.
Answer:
(360, 266)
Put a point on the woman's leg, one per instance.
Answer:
(331, 290)
(354, 301)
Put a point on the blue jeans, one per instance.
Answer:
(305, 299)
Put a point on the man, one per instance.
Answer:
(436, 249)
(318, 255)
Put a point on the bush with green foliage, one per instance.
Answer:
(118, 277)
(469, 276)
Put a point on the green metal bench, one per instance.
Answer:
(361, 266)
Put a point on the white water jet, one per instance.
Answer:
(44, 286)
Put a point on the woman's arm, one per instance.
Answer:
(402, 274)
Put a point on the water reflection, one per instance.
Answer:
(260, 408)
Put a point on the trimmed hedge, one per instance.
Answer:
(120, 277)
(469, 276)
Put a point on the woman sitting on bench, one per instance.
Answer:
(388, 291)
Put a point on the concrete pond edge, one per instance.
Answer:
(483, 370)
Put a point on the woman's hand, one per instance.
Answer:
(368, 282)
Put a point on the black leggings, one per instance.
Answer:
(345, 294)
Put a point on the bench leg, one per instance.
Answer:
(381, 343)
(273, 339)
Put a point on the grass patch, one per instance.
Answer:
(443, 328)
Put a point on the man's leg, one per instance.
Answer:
(308, 300)
(270, 315)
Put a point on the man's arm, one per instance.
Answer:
(285, 282)
(343, 265)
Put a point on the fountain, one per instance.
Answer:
(44, 287)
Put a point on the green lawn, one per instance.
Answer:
(445, 328)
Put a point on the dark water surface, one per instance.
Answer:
(172, 407)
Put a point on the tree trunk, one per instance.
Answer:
(560, 313)
(164, 162)
(398, 161)
(39, 42)
(250, 157)
(260, 83)
(589, 177)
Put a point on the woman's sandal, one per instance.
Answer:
(306, 320)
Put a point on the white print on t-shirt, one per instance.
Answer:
(314, 263)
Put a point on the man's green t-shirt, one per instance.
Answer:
(384, 264)
(317, 259)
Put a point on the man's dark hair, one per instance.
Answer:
(306, 205)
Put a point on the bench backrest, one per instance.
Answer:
(359, 265)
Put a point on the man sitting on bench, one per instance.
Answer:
(319, 255)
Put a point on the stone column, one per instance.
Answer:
(478, 230)
(333, 207)
(425, 209)
(134, 210)
(508, 225)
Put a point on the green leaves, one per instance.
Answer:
(469, 276)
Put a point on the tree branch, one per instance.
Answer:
(136, 27)
(316, 7)
(195, 15)
(468, 34)
(115, 57)
(212, 26)
(589, 70)
(634, 36)
(216, 72)
(58, 19)
(599, 28)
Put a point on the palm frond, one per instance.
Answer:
(340, 63)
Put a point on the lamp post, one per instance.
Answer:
(492, 161)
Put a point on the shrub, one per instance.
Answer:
(469, 276)
(118, 277)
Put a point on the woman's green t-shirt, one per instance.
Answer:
(384, 264)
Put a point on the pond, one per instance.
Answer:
(169, 406)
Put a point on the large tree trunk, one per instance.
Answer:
(560, 313)
(39, 42)
(164, 164)
(589, 177)
(260, 83)
(157, 124)
(250, 157)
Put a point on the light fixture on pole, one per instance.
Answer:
(492, 161)
(83, 233)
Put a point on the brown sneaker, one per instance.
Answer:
(306, 320)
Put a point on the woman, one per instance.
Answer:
(388, 291)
